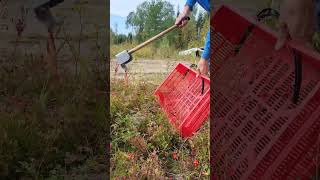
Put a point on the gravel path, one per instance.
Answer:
(151, 70)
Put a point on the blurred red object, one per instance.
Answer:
(265, 116)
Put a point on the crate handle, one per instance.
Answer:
(193, 66)
(202, 88)
(186, 73)
(268, 12)
(297, 76)
(244, 38)
(203, 83)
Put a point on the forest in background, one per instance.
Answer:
(151, 18)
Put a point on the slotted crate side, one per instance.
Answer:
(180, 96)
(167, 91)
(230, 23)
(293, 149)
(198, 109)
(221, 49)
(198, 117)
(225, 36)
(235, 78)
(301, 150)
(292, 154)
(172, 92)
(264, 109)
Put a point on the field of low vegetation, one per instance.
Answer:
(145, 145)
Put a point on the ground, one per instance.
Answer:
(151, 69)
(144, 143)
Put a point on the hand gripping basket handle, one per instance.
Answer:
(269, 12)
(202, 82)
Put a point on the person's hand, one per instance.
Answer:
(182, 19)
(203, 67)
(297, 21)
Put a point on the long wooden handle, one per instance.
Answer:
(152, 39)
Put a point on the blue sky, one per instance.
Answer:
(120, 22)
(124, 7)
(119, 10)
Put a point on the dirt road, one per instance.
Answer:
(150, 70)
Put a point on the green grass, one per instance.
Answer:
(143, 141)
(48, 129)
(150, 52)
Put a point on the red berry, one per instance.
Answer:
(196, 163)
(174, 155)
(131, 155)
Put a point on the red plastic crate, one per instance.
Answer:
(185, 99)
(257, 130)
(228, 27)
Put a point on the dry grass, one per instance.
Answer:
(150, 52)
(51, 130)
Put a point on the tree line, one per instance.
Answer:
(153, 16)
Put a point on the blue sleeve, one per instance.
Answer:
(206, 52)
(191, 3)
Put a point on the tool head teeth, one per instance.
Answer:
(44, 15)
(124, 66)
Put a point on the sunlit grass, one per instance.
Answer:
(150, 52)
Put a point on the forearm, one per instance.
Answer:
(206, 52)
(186, 10)
(181, 21)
